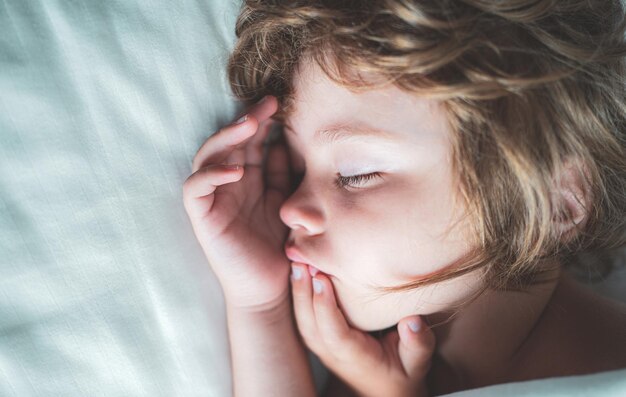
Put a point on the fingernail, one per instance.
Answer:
(296, 273)
(232, 166)
(262, 100)
(414, 326)
(317, 286)
(241, 119)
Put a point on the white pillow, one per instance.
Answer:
(104, 289)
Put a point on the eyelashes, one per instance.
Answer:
(342, 182)
(355, 180)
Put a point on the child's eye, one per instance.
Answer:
(355, 180)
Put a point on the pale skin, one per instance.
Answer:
(242, 218)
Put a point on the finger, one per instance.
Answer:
(250, 151)
(277, 169)
(263, 109)
(254, 146)
(416, 347)
(342, 341)
(229, 141)
(199, 187)
(303, 305)
(220, 145)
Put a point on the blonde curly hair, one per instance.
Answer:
(531, 88)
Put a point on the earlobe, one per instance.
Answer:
(572, 200)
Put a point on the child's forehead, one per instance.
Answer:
(365, 131)
(313, 89)
(369, 115)
(348, 131)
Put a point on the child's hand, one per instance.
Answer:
(395, 365)
(234, 212)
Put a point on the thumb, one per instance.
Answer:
(416, 347)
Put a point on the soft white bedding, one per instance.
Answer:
(104, 290)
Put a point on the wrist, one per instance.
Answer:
(275, 309)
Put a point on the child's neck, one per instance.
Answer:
(478, 346)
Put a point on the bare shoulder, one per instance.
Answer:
(579, 333)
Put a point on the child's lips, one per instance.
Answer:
(294, 255)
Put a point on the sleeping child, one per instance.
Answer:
(408, 189)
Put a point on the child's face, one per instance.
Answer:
(385, 231)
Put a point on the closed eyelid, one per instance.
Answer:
(353, 180)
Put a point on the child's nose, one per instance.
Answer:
(301, 210)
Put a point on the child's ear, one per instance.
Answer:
(572, 199)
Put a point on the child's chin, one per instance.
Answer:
(382, 332)
(371, 325)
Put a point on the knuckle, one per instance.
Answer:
(300, 297)
(299, 293)
(348, 352)
(196, 157)
(313, 344)
(187, 185)
(196, 163)
(335, 341)
(343, 351)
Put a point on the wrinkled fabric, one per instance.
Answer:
(602, 384)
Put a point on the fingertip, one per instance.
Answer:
(251, 121)
(427, 336)
(297, 272)
(415, 325)
(266, 107)
(273, 101)
(241, 119)
(416, 348)
(327, 292)
(318, 286)
(233, 176)
(242, 122)
(414, 331)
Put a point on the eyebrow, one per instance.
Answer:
(346, 132)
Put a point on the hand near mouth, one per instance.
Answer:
(394, 365)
